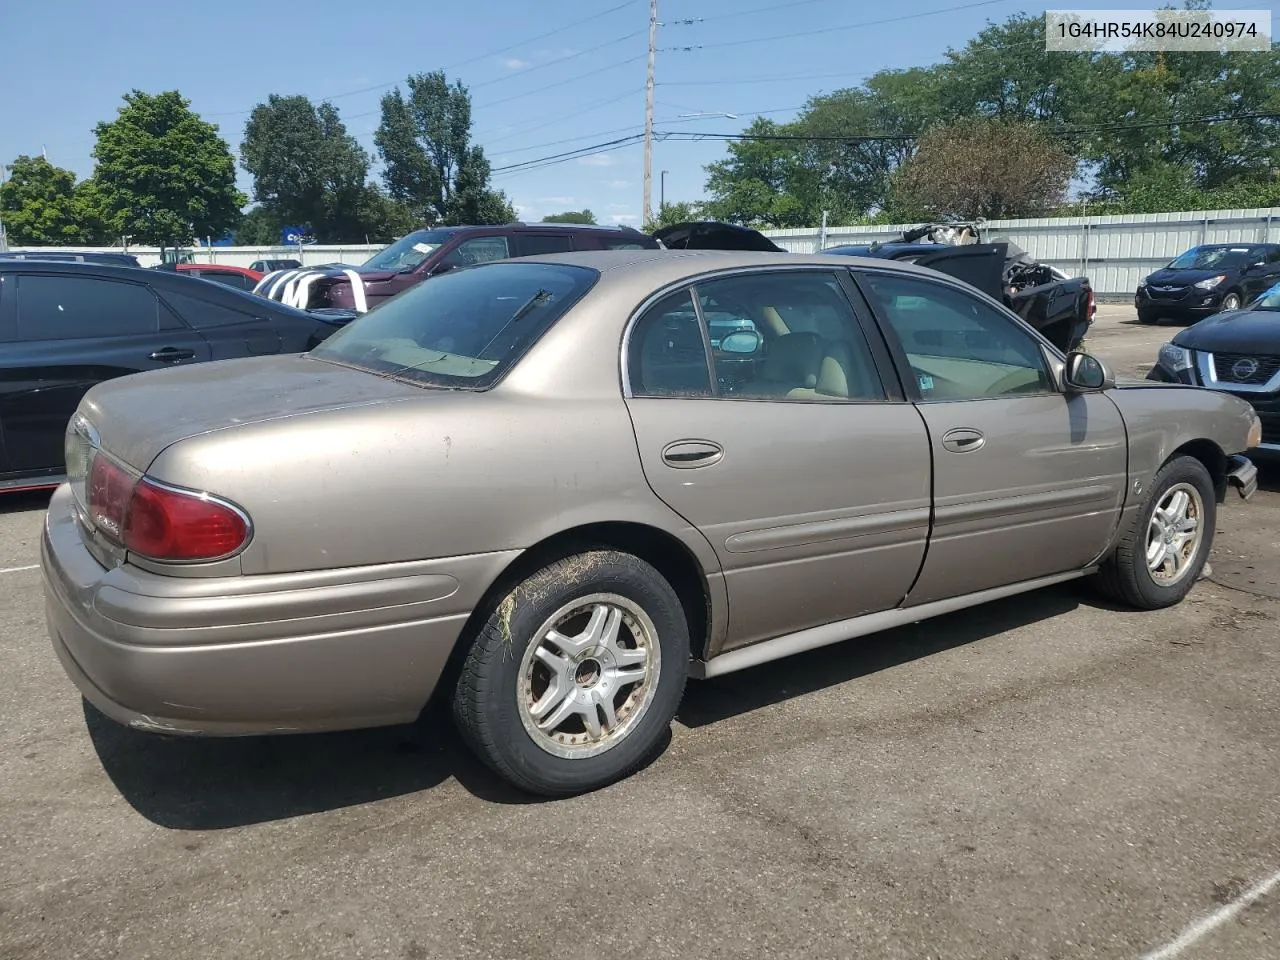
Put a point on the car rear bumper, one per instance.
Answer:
(283, 653)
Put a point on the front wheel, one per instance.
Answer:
(1231, 301)
(573, 680)
(1161, 554)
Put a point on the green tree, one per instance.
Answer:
(431, 166)
(259, 227)
(765, 182)
(38, 204)
(670, 214)
(164, 175)
(571, 216)
(307, 169)
(990, 168)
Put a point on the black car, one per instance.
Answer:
(1206, 279)
(119, 259)
(67, 326)
(1059, 307)
(1238, 352)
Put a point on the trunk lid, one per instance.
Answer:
(136, 417)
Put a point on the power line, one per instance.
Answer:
(523, 42)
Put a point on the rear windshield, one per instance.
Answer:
(1213, 258)
(409, 251)
(461, 329)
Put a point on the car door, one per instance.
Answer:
(71, 331)
(230, 328)
(804, 468)
(1028, 480)
(1258, 280)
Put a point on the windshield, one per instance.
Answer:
(461, 329)
(1212, 258)
(409, 251)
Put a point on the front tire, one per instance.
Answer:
(573, 680)
(1231, 302)
(1159, 558)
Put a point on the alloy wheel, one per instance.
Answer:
(589, 676)
(1174, 533)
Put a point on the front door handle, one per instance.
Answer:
(172, 354)
(683, 454)
(963, 440)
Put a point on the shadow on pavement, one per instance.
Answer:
(711, 701)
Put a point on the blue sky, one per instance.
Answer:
(543, 81)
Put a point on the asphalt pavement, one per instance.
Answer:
(1044, 777)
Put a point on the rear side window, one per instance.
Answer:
(76, 308)
(1273, 254)
(532, 244)
(204, 314)
(228, 278)
(666, 355)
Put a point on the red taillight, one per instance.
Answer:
(110, 487)
(160, 522)
(167, 524)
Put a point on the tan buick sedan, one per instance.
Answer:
(553, 488)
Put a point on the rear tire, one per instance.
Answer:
(1160, 556)
(573, 680)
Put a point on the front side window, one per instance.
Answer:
(959, 347)
(73, 308)
(461, 329)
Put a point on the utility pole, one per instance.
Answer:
(648, 115)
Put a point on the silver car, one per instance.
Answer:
(540, 489)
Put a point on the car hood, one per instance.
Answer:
(1235, 331)
(138, 416)
(1183, 277)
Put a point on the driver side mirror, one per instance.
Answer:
(741, 342)
(444, 266)
(1259, 265)
(1086, 373)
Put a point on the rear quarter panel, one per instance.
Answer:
(446, 476)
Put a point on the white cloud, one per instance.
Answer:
(616, 207)
(624, 217)
(515, 63)
(597, 160)
(617, 184)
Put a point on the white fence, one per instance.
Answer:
(1115, 252)
(350, 253)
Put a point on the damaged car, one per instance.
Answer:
(357, 288)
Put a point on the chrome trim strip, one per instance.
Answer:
(823, 531)
(1209, 377)
(811, 639)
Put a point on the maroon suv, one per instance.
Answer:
(424, 253)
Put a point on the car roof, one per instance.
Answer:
(174, 280)
(657, 268)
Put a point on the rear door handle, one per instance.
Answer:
(683, 454)
(963, 439)
(172, 354)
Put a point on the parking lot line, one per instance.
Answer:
(34, 566)
(1215, 919)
